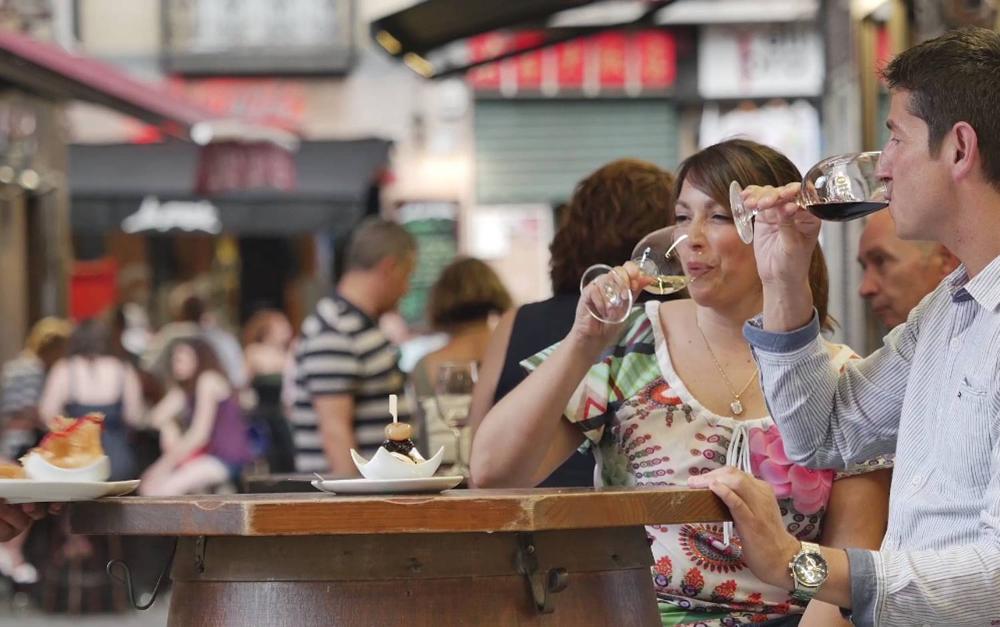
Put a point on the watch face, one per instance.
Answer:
(810, 569)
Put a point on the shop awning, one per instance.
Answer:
(51, 71)
(149, 188)
(427, 36)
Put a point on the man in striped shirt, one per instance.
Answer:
(931, 394)
(345, 367)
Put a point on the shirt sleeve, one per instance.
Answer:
(329, 364)
(829, 416)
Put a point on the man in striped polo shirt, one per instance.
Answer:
(345, 367)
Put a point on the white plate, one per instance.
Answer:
(387, 486)
(31, 491)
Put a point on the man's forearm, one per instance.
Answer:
(337, 448)
(787, 307)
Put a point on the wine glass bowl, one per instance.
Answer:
(839, 188)
(610, 299)
(453, 396)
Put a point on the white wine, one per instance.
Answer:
(667, 284)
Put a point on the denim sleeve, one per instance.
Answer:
(777, 342)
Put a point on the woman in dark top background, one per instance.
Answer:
(610, 211)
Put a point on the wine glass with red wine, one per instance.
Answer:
(840, 188)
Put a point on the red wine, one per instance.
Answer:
(844, 211)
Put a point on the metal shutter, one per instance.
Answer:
(536, 151)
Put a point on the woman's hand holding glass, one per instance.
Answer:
(609, 293)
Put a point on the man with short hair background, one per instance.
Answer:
(345, 366)
(898, 273)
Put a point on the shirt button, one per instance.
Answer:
(916, 480)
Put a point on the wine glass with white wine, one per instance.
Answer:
(657, 258)
(453, 393)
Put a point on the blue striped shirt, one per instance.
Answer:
(931, 394)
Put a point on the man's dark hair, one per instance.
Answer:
(955, 78)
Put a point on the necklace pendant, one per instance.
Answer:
(737, 407)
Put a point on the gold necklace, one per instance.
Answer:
(736, 406)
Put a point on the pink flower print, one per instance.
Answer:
(808, 489)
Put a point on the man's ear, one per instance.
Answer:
(964, 151)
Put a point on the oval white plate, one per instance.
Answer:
(387, 486)
(31, 491)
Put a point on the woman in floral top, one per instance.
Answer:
(677, 395)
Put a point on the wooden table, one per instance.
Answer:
(476, 557)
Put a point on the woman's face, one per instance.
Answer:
(279, 333)
(183, 362)
(722, 269)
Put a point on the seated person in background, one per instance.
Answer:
(898, 273)
(203, 435)
(610, 211)
(464, 302)
(93, 379)
(267, 337)
(190, 317)
(672, 393)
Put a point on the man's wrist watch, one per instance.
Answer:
(809, 571)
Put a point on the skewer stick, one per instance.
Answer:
(393, 407)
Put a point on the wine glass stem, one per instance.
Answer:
(459, 460)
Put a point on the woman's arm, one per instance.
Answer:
(524, 437)
(210, 390)
(489, 373)
(855, 517)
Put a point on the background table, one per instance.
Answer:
(493, 557)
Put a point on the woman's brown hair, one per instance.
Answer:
(610, 211)
(207, 360)
(712, 170)
(467, 290)
(260, 324)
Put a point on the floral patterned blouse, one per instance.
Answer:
(647, 429)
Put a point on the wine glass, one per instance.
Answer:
(840, 188)
(657, 258)
(453, 394)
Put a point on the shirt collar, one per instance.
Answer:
(984, 288)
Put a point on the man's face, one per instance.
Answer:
(918, 184)
(897, 273)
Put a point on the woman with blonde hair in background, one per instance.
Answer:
(464, 303)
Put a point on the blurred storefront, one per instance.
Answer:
(36, 81)
(140, 205)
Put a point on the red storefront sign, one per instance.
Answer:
(657, 56)
(528, 66)
(570, 64)
(609, 49)
(486, 77)
(643, 61)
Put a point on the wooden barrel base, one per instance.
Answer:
(413, 579)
